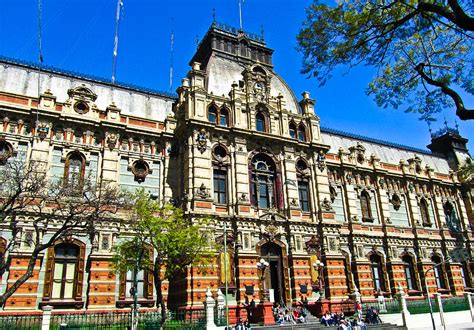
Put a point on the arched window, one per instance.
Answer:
(292, 130)
(74, 169)
(377, 272)
(301, 133)
(303, 184)
(265, 186)
(261, 125)
(452, 220)
(424, 212)
(64, 274)
(220, 174)
(218, 116)
(409, 272)
(438, 272)
(365, 206)
(224, 117)
(212, 114)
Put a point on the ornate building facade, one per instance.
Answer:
(331, 212)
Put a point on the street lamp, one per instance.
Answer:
(263, 265)
(318, 266)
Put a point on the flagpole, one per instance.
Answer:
(117, 22)
(240, 14)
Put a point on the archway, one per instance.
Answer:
(274, 278)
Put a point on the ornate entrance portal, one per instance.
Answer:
(274, 277)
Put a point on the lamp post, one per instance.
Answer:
(262, 265)
(318, 266)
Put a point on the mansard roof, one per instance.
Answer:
(21, 77)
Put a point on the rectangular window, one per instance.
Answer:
(408, 277)
(140, 284)
(376, 275)
(303, 192)
(438, 272)
(220, 186)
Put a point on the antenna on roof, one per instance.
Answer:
(445, 123)
(171, 55)
(456, 125)
(241, 2)
(40, 56)
(213, 16)
(197, 41)
(117, 23)
(429, 128)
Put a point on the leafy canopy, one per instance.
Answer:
(176, 241)
(422, 50)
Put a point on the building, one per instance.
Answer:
(238, 145)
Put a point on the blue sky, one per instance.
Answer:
(78, 35)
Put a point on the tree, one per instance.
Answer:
(422, 50)
(58, 208)
(177, 242)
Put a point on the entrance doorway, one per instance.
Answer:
(274, 278)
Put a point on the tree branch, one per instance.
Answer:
(461, 111)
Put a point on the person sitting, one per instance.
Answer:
(288, 317)
(301, 315)
(247, 325)
(295, 315)
(280, 318)
(326, 320)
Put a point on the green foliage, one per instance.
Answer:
(177, 242)
(466, 172)
(422, 50)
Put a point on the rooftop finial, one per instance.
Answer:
(429, 128)
(445, 123)
(456, 125)
(213, 16)
(197, 41)
(262, 32)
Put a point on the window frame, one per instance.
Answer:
(301, 134)
(410, 272)
(425, 213)
(366, 213)
(82, 169)
(377, 272)
(218, 115)
(76, 301)
(268, 178)
(220, 174)
(438, 272)
(264, 119)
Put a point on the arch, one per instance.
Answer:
(74, 168)
(261, 121)
(64, 274)
(275, 252)
(224, 117)
(292, 129)
(302, 133)
(259, 69)
(212, 113)
(265, 182)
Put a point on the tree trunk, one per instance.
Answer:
(159, 293)
(27, 275)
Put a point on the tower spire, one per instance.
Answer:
(117, 23)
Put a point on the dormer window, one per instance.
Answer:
(212, 114)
